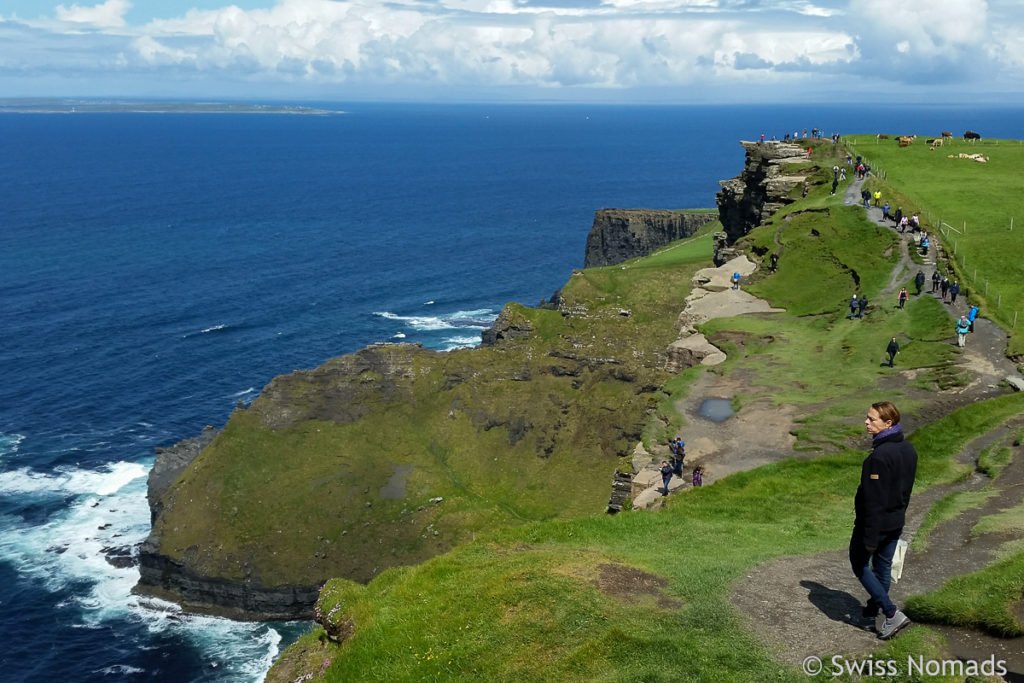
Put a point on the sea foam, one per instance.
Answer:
(106, 512)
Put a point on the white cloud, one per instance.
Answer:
(110, 14)
(927, 27)
(655, 45)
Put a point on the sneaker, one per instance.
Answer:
(893, 625)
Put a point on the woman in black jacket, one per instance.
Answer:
(886, 481)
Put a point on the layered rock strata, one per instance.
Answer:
(621, 234)
(770, 179)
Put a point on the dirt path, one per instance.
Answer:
(800, 606)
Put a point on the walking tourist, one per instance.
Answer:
(886, 482)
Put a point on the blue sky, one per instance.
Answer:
(671, 51)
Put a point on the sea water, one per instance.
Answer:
(155, 270)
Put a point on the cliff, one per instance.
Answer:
(621, 234)
(395, 454)
(774, 175)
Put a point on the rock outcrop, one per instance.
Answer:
(769, 179)
(247, 600)
(621, 234)
(170, 463)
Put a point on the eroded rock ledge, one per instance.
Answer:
(621, 234)
(773, 176)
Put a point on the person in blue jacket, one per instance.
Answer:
(971, 315)
(886, 482)
(666, 475)
(678, 449)
(963, 326)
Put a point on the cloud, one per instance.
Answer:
(110, 14)
(703, 46)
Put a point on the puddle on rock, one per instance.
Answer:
(715, 409)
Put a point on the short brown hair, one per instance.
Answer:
(887, 411)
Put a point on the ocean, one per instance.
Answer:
(156, 269)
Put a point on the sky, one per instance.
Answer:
(616, 51)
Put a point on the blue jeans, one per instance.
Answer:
(874, 570)
(665, 480)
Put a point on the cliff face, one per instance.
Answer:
(621, 234)
(770, 179)
(394, 454)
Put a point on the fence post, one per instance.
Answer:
(1011, 223)
(975, 278)
(1015, 319)
(965, 227)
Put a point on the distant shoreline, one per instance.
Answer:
(44, 106)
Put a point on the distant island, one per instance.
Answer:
(73, 106)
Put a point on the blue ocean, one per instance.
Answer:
(156, 269)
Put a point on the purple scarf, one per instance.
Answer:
(895, 429)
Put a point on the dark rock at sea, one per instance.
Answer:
(621, 234)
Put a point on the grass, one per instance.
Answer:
(1010, 520)
(980, 600)
(946, 508)
(645, 596)
(536, 607)
(993, 459)
(988, 256)
(497, 432)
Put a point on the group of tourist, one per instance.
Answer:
(677, 447)
(816, 133)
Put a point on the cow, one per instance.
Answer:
(933, 143)
(882, 136)
(971, 135)
(905, 140)
(946, 134)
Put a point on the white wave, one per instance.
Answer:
(399, 335)
(74, 481)
(428, 303)
(417, 322)
(214, 328)
(453, 343)
(107, 510)
(244, 392)
(9, 443)
(480, 318)
(119, 670)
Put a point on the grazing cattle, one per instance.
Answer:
(971, 135)
(946, 134)
(905, 140)
(882, 136)
(935, 142)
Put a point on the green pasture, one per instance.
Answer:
(974, 207)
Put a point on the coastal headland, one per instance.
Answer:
(395, 454)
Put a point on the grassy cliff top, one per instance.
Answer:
(646, 595)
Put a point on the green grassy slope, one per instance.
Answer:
(336, 471)
(642, 595)
(949, 192)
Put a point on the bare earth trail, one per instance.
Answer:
(800, 606)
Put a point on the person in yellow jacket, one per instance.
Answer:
(878, 197)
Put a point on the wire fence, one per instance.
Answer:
(953, 235)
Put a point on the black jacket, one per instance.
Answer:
(886, 480)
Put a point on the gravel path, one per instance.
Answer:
(800, 606)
